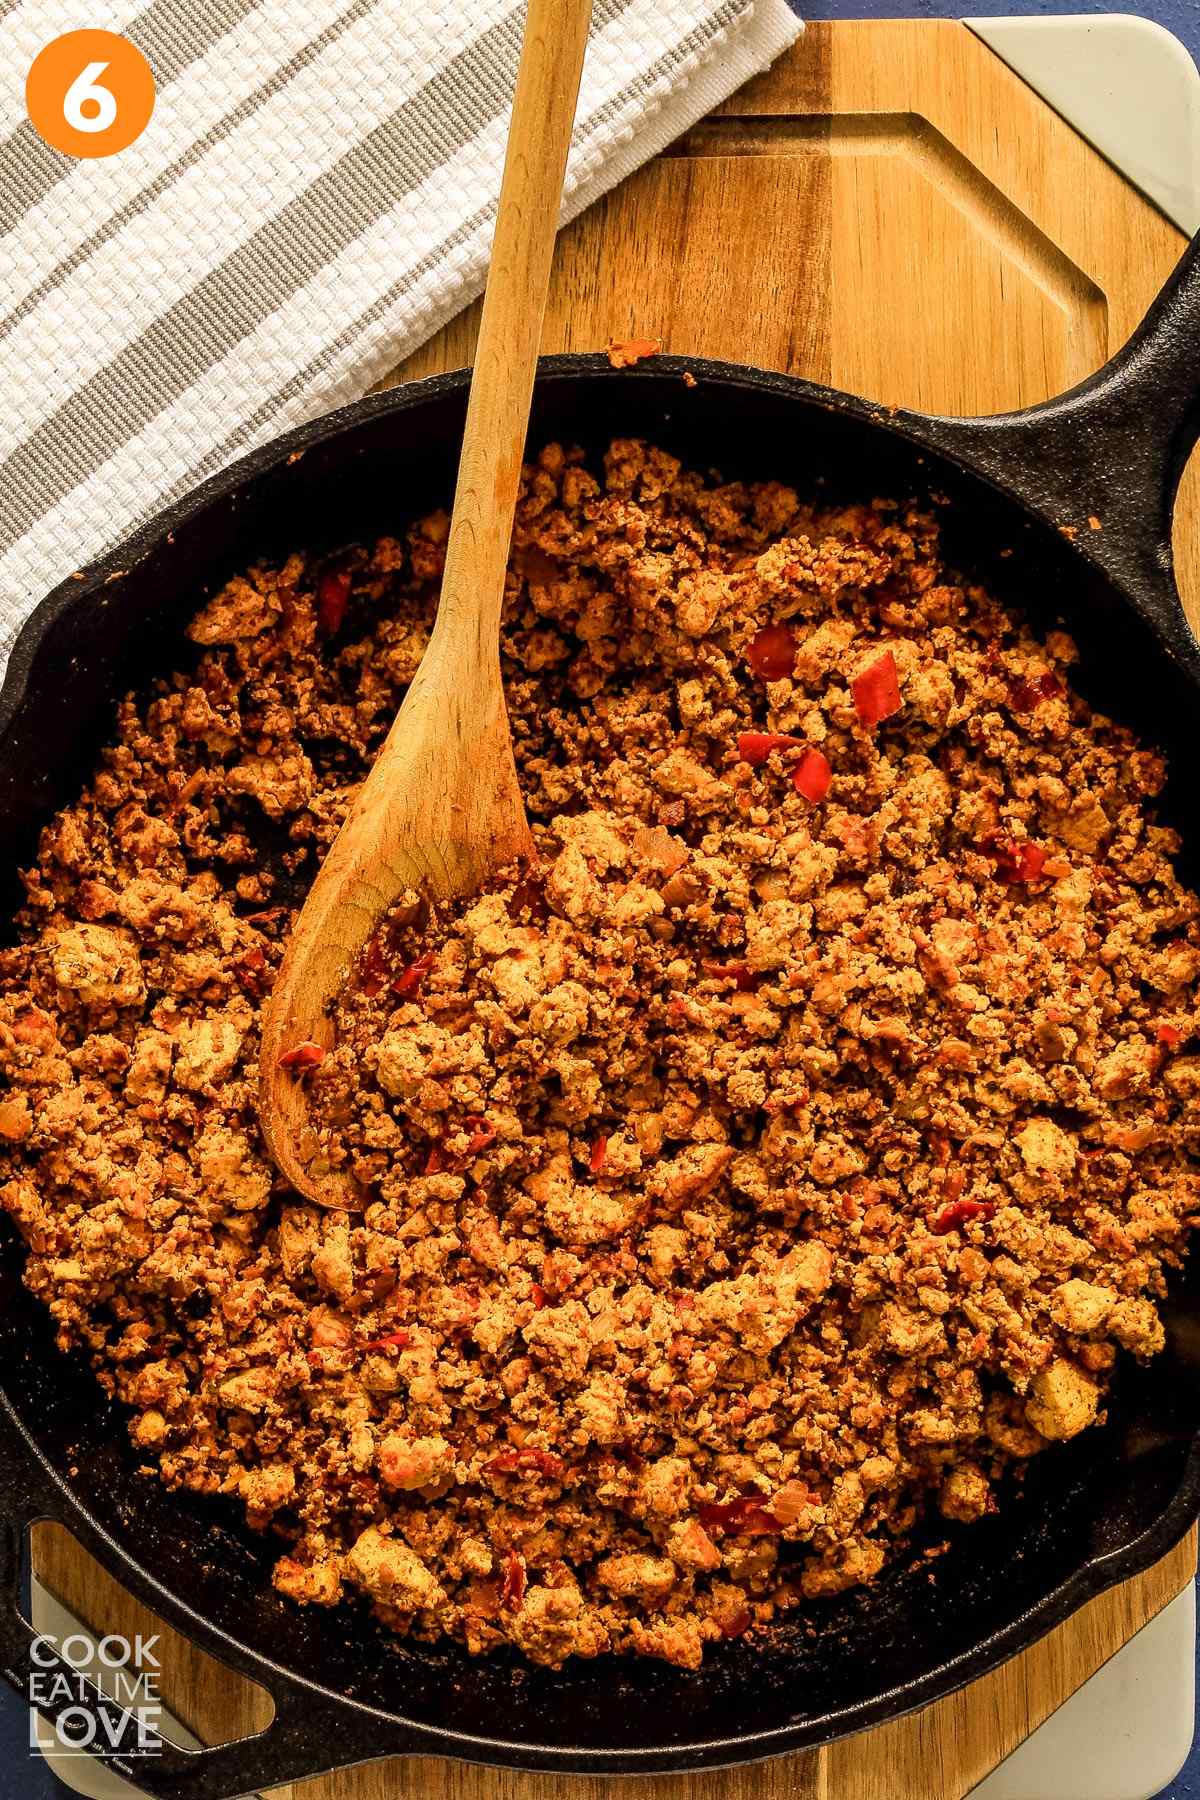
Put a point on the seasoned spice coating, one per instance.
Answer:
(793, 1151)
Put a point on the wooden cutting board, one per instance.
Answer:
(888, 210)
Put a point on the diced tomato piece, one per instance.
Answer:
(812, 775)
(513, 1591)
(599, 1152)
(249, 969)
(512, 1462)
(740, 973)
(877, 691)
(624, 352)
(482, 1134)
(771, 652)
(755, 746)
(437, 1161)
(960, 1212)
(333, 597)
(1170, 1035)
(537, 1294)
(529, 896)
(747, 1517)
(408, 982)
(1017, 860)
(391, 1340)
(372, 969)
(1024, 696)
(270, 915)
(304, 1056)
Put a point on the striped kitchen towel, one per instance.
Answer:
(312, 198)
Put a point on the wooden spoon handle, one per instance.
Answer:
(441, 808)
(510, 330)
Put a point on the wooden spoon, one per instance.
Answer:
(441, 808)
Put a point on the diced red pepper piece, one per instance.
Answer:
(736, 1623)
(624, 352)
(755, 746)
(955, 1182)
(877, 691)
(372, 970)
(249, 969)
(512, 1462)
(746, 1517)
(771, 652)
(305, 1056)
(529, 896)
(408, 982)
(599, 1152)
(1017, 860)
(812, 775)
(537, 1294)
(513, 1591)
(437, 1161)
(391, 1340)
(1024, 696)
(961, 1212)
(270, 915)
(1170, 1035)
(741, 974)
(482, 1134)
(333, 597)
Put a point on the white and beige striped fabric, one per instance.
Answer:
(312, 198)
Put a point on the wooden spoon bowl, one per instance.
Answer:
(441, 809)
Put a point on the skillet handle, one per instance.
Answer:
(312, 1733)
(1111, 450)
(115, 1737)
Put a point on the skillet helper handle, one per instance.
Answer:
(302, 1740)
(1103, 461)
(311, 1733)
(1146, 399)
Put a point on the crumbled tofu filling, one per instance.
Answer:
(786, 1156)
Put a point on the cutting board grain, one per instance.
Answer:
(937, 1754)
(889, 210)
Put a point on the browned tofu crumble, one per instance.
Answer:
(788, 1155)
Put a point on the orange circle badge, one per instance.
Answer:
(90, 93)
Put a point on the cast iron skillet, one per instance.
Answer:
(1022, 494)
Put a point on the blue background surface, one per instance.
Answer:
(23, 1777)
(1180, 16)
